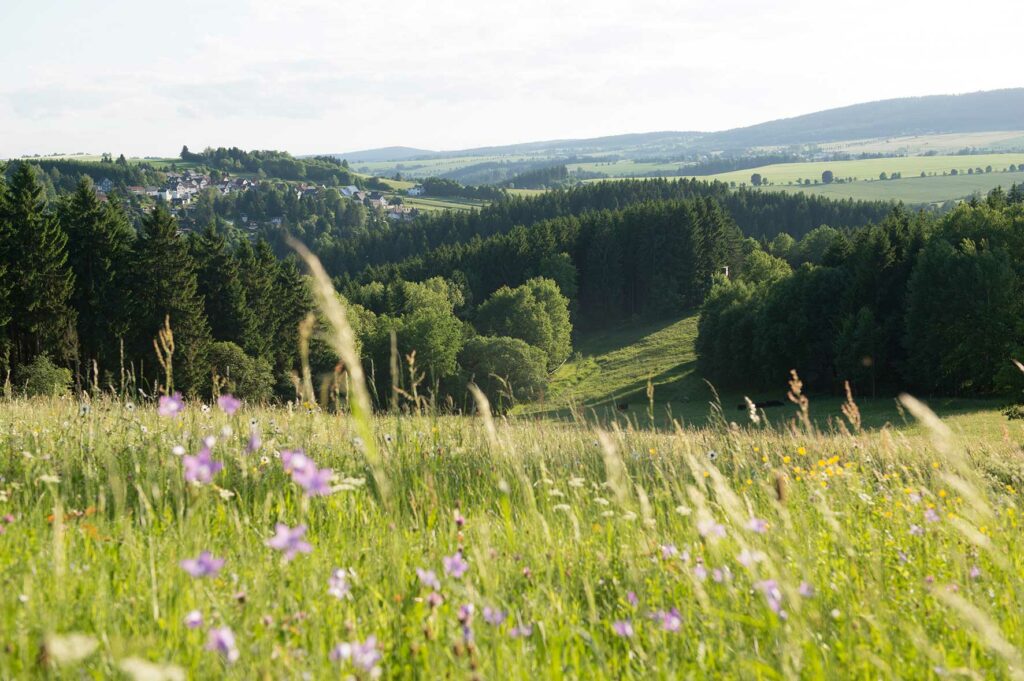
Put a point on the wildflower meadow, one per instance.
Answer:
(173, 541)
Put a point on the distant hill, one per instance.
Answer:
(385, 154)
(974, 112)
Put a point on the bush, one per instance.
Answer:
(250, 378)
(507, 370)
(43, 378)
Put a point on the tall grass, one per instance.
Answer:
(882, 554)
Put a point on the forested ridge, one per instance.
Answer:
(917, 301)
(490, 295)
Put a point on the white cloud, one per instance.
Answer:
(332, 75)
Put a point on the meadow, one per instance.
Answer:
(511, 548)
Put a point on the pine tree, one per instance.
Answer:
(222, 288)
(165, 284)
(99, 247)
(259, 274)
(6, 238)
(294, 301)
(34, 247)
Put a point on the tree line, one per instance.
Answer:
(83, 291)
(916, 301)
(320, 169)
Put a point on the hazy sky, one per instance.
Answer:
(142, 78)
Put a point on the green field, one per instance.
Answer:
(913, 190)
(613, 369)
(870, 169)
(445, 203)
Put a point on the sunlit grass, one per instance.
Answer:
(563, 533)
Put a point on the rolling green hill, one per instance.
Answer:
(607, 380)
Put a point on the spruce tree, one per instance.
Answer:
(6, 237)
(294, 301)
(99, 247)
(222, 288)
(34, 247)
(258, 273)
(165, 284)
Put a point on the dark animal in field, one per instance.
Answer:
(761, 405)
(622, 407)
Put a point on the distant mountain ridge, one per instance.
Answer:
(984, 111)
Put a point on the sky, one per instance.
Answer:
(322, 76)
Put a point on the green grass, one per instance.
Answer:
(870, 169)
(430, 203)
(607, 383)
(560, 532)
(913, 190)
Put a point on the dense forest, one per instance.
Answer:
(916, 301)
(492, 296)
(322, 169)
(760, 215)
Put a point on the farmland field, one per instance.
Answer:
(913, 190)
(870, 169)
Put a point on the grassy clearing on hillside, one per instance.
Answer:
(555, 551)
(613, 368)
(870, 169)
(947, 143)
(430, 203)
(913, 190)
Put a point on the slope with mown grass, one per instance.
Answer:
(607, 380)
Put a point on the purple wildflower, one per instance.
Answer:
(904, 558)
(460, 520)
(428, 578)
(631, 598)
(669, 551)
(434, 599)
(289, 540)
(975, 572)
(757, 525)
(709, 528)
(194, 619)
(170, 405)
(315, 482)
(670, 620)
(228, 403)
(931, 516)
(522, 631)
(494, 617)
(338, 585)
(623, 628)
(201, 467)
(294, 460)
(222, 641)
(455, 565)
(254, 443)
(700, 572)
(466, 613)
(916, 530)
(773, 594)
(806, 590)
(363, 655)
(203, 566)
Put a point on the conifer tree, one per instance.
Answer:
(34, 248)
(6, 236)
(222, 288)
(165, 284)
(99, 248)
